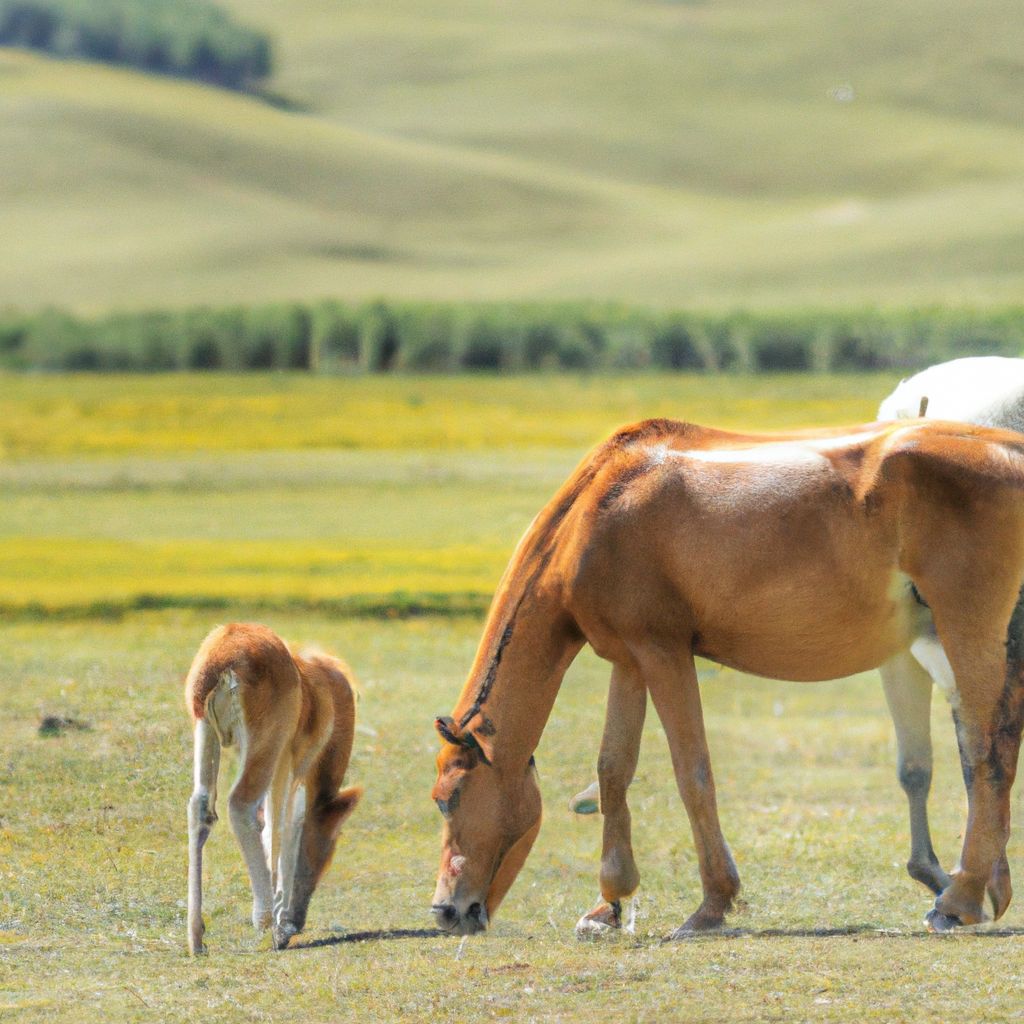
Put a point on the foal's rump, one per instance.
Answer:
(247, 659)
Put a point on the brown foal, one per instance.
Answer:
(293, 718)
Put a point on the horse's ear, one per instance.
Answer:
(341, 806)
(478, 740)
(482, 742)
(448, 731)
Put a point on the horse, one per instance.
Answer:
(804, 556)
(293, 718)
(984, 390)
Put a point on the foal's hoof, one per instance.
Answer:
(282, 934)
(602, 920)
(939, 923)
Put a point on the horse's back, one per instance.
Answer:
(986, 390)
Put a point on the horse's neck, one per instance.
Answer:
(523, 656)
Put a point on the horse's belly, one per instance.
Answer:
(824, 637)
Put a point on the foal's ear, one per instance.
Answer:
(340, 807)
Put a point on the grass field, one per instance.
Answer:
(718, 155)
(92, 838)
(361, 493)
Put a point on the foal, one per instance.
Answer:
(293, 717)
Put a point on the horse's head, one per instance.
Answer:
(492, 812)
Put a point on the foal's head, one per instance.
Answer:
(492, 812)
(320, 831)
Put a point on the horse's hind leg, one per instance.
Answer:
(672, 683)
(988, 718)
(908, 690)
(616, 765)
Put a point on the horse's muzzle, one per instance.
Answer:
(450, 919)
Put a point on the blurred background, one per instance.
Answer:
(480, 184)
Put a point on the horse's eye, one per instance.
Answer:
(447, 807)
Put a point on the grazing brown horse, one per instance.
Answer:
(293, 718)
(798, 556)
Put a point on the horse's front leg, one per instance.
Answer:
(672, 683)
(616, 765)
(908, 690)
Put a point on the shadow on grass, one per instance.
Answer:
(384, 935)
(857, 930)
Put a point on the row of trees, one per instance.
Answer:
(192, 38)
(421, 337)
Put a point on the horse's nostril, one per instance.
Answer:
(445, 913)
(475, 911)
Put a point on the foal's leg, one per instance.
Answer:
(616, 765)
(260, 757)
(908, 690)
(286, 801)
(202, 813)
(672, 682)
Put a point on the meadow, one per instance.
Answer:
(426, 484)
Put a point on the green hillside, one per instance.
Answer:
(672, 153)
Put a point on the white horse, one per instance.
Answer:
(984, 390)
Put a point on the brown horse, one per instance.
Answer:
(799, 556)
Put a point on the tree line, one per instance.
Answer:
(191, 38)
(381, 337)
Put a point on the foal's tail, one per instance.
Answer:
(212, 660)
(252, 652)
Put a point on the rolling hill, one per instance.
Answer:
(669, 153)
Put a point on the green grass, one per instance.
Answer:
(92, 853)
(655, 152)
(120, 490)
(370, 494)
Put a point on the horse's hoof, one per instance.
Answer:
(696, 924)
(587, 802)
(939, 923)
(604, 919)
(282, 934)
